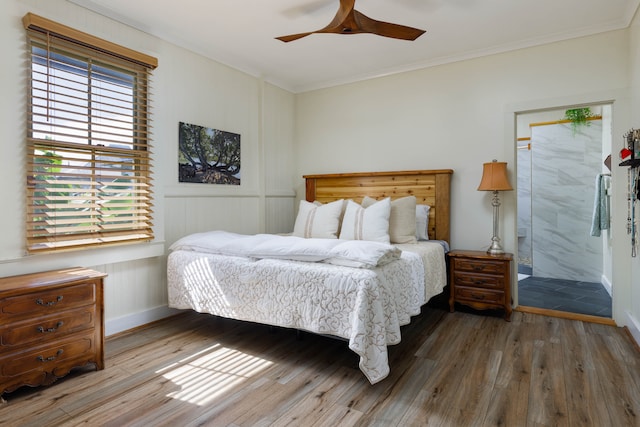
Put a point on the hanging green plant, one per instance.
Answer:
(578, 117)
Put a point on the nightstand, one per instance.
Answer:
(480, 280)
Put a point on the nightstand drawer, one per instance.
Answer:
(480, 295)
(479, 280)
(479, 266)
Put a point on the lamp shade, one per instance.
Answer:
(494, 177)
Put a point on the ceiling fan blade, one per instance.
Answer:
(344, 14)
(386, 29)
(349, 21)
(292, 37)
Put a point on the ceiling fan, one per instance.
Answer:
(350, 21)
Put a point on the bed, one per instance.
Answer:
(358, 287)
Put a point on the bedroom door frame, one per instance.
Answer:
(558, 111)
(623, 293)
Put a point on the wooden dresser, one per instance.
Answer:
(50, 322)
(480, 280)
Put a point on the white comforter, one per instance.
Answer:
(349, 253)
(366, 306)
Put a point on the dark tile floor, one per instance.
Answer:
(565, 295)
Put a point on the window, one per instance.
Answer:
(88, 157)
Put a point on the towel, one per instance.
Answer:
(600, 220)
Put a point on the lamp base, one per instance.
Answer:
(495, 251)
(495, 248)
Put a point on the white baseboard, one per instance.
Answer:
(634, 327)
(114, 326)
(606, 283)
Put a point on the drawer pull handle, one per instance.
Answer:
(476, 296)
(50, 303)
(478, 267)
(479, 282)
(50, 358)
(55, 328)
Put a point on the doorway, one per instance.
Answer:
(564, 247)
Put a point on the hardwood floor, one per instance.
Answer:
(451, 369)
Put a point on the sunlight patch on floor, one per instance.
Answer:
(522, 276)
(210, 373)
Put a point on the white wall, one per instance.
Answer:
(633, 310)
(607, 147)
(186, 87)
(463, 114)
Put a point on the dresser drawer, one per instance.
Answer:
(48, 358)
(479, 280)
(47, 301)
(46, 328)
(479, 266)
(480, 295)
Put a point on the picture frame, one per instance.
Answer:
(207, 155)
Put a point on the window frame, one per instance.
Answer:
(94, 189)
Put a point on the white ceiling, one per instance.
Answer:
(240, 33)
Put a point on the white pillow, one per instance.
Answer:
(402, 220)
(320, 221)
(370, 223)
(422, 222)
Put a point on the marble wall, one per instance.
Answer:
(524, 205)
(564, 167)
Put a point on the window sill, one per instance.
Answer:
(83, 258)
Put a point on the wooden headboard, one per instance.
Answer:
(430, 187)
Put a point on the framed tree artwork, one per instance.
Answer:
(208, 156)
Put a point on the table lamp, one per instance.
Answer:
(494, 178)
